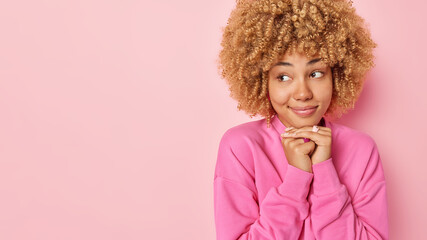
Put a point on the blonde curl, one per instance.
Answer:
(258, 32)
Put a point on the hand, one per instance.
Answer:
(297, 152)
(322, 140)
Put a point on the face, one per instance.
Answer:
(300, 89)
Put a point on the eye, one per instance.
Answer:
(283, 78)
(319, 75)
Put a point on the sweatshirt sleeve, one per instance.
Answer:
(238, 214)
(336, 216)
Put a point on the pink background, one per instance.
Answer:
(112, 111)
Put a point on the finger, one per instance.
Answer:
(309, 128)
(290, 141)
(289, 128)
(319, 139)
(322, 131)
(287, 140)
(298, 134)
(304, 147)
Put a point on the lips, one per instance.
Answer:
(304, 111)
(303, 108)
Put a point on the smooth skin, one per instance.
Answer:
(296, 81)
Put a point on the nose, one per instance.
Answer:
(302, 91)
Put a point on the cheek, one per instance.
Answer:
(325, 93)
(279, 95)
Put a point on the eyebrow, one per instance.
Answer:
(289, 64)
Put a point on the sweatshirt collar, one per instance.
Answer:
(280, 127)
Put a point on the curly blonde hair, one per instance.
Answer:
(258, 32)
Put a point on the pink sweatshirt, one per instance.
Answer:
(258, 195)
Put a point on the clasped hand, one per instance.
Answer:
(302, 154)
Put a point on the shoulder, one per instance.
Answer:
(237, 148)
(243, 141)
(356, 158)
(245, 134)
(351, 137)
(350, 143)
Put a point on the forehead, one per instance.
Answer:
(299, 60)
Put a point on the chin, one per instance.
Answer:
(304, 122)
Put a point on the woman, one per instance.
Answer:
(296, 174)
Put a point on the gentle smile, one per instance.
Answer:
(304, 111)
